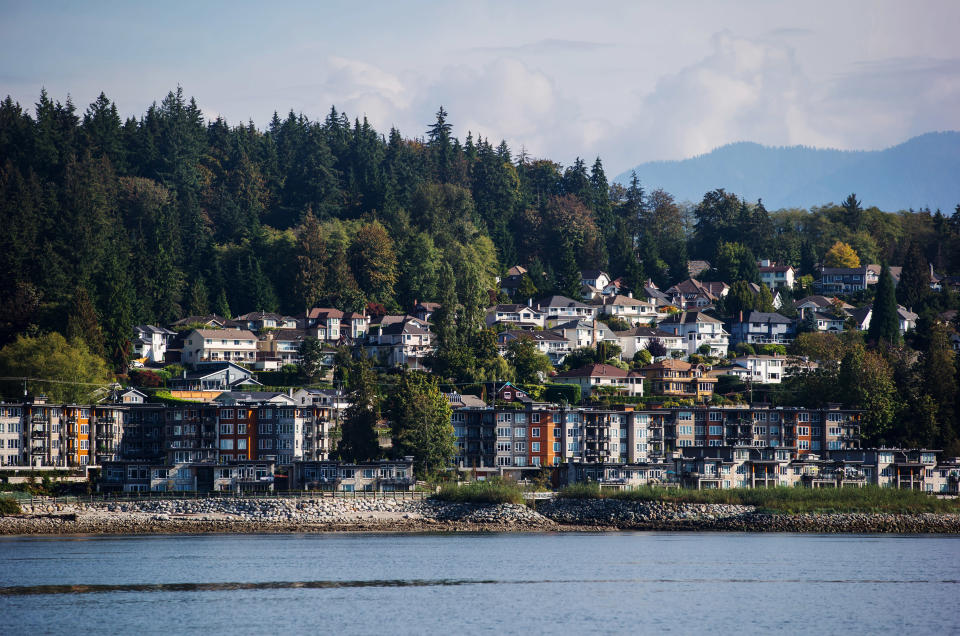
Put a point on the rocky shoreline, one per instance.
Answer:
(232, 515)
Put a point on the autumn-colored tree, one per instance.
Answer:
(841, 255)
(374, 262)
(73, 371)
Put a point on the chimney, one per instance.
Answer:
(630, 294)
(530, 300)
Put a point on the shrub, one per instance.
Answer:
(9, 506)
(569, 393)
(491, 491)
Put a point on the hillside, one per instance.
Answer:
(917, 173)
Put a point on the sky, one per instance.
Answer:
(627, 81)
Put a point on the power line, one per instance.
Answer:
(22, 379)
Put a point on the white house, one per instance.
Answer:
(776, 276)
(519, 315)
(698, 329)
(549, 343)
(398, 343)
(637, 339)
(220, 345)
(594, 376)
(763, 328)
(906, 319)
(762, 369)
(563, 308)
(151, 342)
(583, 333)
(627, 308)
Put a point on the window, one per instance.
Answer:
(520, 447)
(803, 417)
(535, 418)
(226, 444)
(503, 447)
(227, 413)
(556, 447)
(503, 432)
(520, 432)
(535, 432)
(534, 447)
(266, 444)
(226, 429)
(716, 416)
(716, 430)
(241, 444)
(241, 429)
(803, 445)
(803, 430)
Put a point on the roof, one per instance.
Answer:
(712, 289)
(428, 306)
(250, 396)
(190, 320)
(533, 335)
(768, 317)
(324, 312)
(206, 370)
(696, 267)
(688, 318)
(597, 370)
(262, 315)
(459, 400)
(227, 334)
(517, 307)
(653, 292)
(591, 274)
(775, 268)
(645, 332)
(152, 329)
(517, 270)
(820, 301)
(668, 363)
(405, 327)
(559, 301)
(619, 300)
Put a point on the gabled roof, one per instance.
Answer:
(592, 274)
(668, 363)
(645, 332)
(517, 270)
(513, 308)
(597, 370)
(533, 335)
(768, 317)
(153, 329)
(618, 300)
(559, 301)
(323, 312)
(820, 301)
(263, 315)
(209, 369)
(776, 268)
(694, 268)
(688, 318)
(653, 292)
(251, 397)
(208, 319)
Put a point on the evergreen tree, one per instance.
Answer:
(374, 262)
(311, 262)
(222, 307)
(84, 325)
(885, 322)
(914, 284)
(311, 356)
(939, 375)
(359, 440)
(568, 276)
(199, 301)
(420, 421)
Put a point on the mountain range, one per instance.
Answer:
(921, 172)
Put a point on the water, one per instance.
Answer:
(629, 582)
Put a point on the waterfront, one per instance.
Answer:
(504, 583)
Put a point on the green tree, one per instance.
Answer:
(914, 285)
(359, 441)
(420, 421)
(311, 359)
(528, 361)
(885, 322)
(866, 381)
(198, 303)
(73, 373)
(939, 381)
(311, 275)
(568, 276)
(374, 262)
(84, 325)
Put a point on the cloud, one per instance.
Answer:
(546, 46)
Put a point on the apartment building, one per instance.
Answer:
(388, 475)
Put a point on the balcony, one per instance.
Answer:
(38, 431)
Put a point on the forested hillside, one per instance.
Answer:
(109, 223)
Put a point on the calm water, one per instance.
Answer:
(632, 582)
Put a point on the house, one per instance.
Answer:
(406, 341)
(423, 310)
(507, 392)
(626, 307)
(907, 319)
(614, 287)
(762, 328)
(698, 329)
(511, 282)
(595, 278)
(208, 377)
(638, 338)
(594, 376)
(464, 400)
(260, 320)
(322, 323)
(354, 325)
(150, 343)
(563, 309)
(219, 345)
(522, 316)
(677, 378)
(822, 319)
(820, 302)
(550, 343)
(694, 294)
(583, 333)
(762, 369)
(132, 396)
(849, 280)
(776, 276)
(276, 348)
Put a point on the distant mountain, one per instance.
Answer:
(921, 172)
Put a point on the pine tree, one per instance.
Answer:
(914, 285)
(83, 323)
(420, 422)
(885, 322)
(222, 307)
(568, 275)
(199, 301)
(311, 262)
(939, 375)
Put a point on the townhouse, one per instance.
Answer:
(698, 329)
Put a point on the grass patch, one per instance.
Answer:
(9, 506)
(491, 491)
(870, 499)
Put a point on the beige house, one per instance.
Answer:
(220, 345)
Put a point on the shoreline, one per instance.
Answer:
(252, 516)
